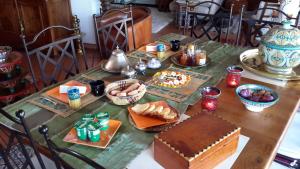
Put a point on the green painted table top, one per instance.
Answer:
(128, 142)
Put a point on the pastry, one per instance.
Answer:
(115, 92)
(131, 87)
(150, 110)
(134, 92)
(122, 94)
(129, 90)
(158, 110)
(140, 108)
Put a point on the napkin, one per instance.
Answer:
(151, 47)
(64, 89)
(253, 76)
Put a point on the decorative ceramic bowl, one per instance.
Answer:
(256, 106)
(280, 49)
(121, 85)
(4, 51)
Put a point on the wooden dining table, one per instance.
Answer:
(265, 129)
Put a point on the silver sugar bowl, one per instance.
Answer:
(141, 66)
(128, 72)
(4, 51)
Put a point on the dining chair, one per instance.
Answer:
(222, 26)
(56, 59)
(112, 30)
(17, 147)
(258, 23)
(56, 151)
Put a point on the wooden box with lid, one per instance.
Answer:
(201, 141)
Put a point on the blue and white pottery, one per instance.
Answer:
(280, 49)
(252, 105)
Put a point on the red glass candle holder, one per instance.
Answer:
(210, 98)
(233, 77)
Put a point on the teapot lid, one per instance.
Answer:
(117, 51)
(283, 37)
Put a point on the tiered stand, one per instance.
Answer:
(13, 85)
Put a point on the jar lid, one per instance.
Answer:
(284, 37)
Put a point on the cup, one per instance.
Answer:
(210, 98)
(233, 77)
(97, 87)
(81, 130)
(93, 132)
(103, 119)
(74, 97)
(175, 45)
(200, 57)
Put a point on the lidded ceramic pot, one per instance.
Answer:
(280, 49)
(117, 61)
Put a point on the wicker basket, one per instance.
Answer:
(123, 100)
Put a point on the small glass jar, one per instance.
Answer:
(233, 77)
(74, 97)
(200, 57)
(210, 98)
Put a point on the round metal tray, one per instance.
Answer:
(175, 61)
(102, 64)
(251, 61)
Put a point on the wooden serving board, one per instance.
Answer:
(142, 122)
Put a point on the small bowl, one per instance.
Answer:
(123, 100)
(253, 105)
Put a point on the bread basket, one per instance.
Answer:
(123, 100)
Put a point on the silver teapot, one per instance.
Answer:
(117, 61)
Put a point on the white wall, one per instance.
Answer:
(85, 9)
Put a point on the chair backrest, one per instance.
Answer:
(57, 59)
(258, 24)
(12, 138)
(56, 151)
(222, 26)
(111, 29)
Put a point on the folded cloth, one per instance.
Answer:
(253, 76)
(64, 89)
